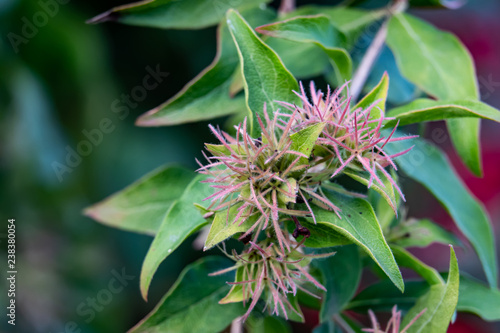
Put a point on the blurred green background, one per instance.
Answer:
(60, 78)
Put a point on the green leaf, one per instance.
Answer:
(440, 65)
(406, 259)
(328, 326)
(429, 166)
(386, 208)
(477, 298)
(465, 135)
(383, 295)
(318, 30)
(293, 54)
(440, 303)
(266, 80)
(401, 91)
(222, 150)
(473, 296)
(204, 97)
(322, 235)
(359, 224)
(378, 93)
(191, 305)
(208, 95)
(351, 21)
(181, 220)
(296, 315)
(341, 275)
(389, 193)
(290, 187)
(304, 140)
(235, 294)
(141, 206)
(384, 211)
(423, 109)
(421, 233)
(268, 324)
(224, 226)
(434, 60)
(174, 14)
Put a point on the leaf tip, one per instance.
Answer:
(110, 15)
(147, 119)
(231, 12)
(144, 286)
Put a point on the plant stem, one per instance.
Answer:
(373, 52)
(342, 323)
(286, 6)
(237, 326)
(371, 55)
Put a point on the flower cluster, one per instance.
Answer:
(278, 177)
(350, 138)
(267, 269)
(265, 175)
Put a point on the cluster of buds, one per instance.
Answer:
(264, 175)
(271, 180)
(267, 269)
(350, 138)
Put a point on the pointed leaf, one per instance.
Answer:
(421, 233)
(204, 97)
(388, 192)
(386, 209)
(141, 206)
(341, 275)
(191, 305)
(351, 21)
(359, 224)
(479, 299)
(465, 135)
(304, 140)
(406, 259)
(440, 303)
(174, 14)
(429, 166)
(401, 91)
(268, 324)
(181, 220)
(322, 235)
(224, 226)
(378, 93)
(266, 80)
(208, 95)
(293, 54)
(423, 54)
(421, 110)
(473, 296)
(292, 315)
(235, 295)
(318, 30)
(383, 295)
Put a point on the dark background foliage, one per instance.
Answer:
(67, 77)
